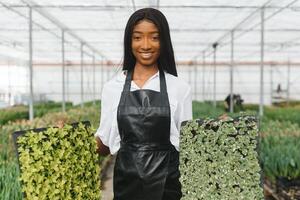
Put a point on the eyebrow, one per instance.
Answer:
(142, 32)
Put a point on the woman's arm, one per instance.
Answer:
(102, 149)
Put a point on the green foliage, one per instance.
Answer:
(59, 163)
(89, 104)
(205, 109)
(282, 114)
(7, 151)
(291, 114)
(218, 159)
(12, 114)
(21, 112)
(282, 128)
(280, 131)
(280, 156)
(91, 114)
(279, 149)
(291, 103)
(277, 122)
(40, 109)
(9, 185)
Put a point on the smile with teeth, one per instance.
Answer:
(146, 55)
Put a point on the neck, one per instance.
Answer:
(144, 72)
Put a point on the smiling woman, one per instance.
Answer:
(141, 113)
(145, 43)
(146, 49)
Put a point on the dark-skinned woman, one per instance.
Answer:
(141, 112)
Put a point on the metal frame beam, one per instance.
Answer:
(171, 29)
(248, 17)
(112, 7)
(60, 25)
(81, 76)
(215, 45)
(31, 98)
(94, 81)
(203, 75)
(187, 63)
(231, 108)
(63, 70)
(262, 38)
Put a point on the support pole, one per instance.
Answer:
(231, 72)
(215, 75)
(102, 75)
(67, 83)
(31, 113)
(288, 83)
(261, 108)
(203, 76)
(271, 83)
(63, 71)
(94, 81)
(81, 74)
(195, 81)
(108, 72)
(9, 83)
(189, 68)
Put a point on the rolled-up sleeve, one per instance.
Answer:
(186, 106)
(103, 132)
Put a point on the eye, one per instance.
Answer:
(136, 37)
(155, 37)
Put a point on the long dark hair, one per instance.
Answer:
(166, 60)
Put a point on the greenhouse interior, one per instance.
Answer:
(239, 57)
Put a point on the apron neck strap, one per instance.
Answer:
(163, 85)
(128, 81)
(162, 79)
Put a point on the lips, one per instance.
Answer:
(146, 55)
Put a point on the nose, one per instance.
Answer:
(146, 44)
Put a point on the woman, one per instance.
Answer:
(142, 111)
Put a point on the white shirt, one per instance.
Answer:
(179, 93)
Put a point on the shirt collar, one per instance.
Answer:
(155, 75)
(121, 77)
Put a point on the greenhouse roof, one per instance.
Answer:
(195, 27)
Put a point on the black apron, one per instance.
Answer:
(147, 163)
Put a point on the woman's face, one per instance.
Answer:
(145, 43)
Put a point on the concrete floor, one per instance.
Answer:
(107, 181)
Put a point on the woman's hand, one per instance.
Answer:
(101, 148)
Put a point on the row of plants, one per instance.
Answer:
(9, 183)
(291, 103)
(20, 112)
(280, 156)
(89, 113)
(277, 150)
(13, 114)
(278, 113)
(282, 114)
